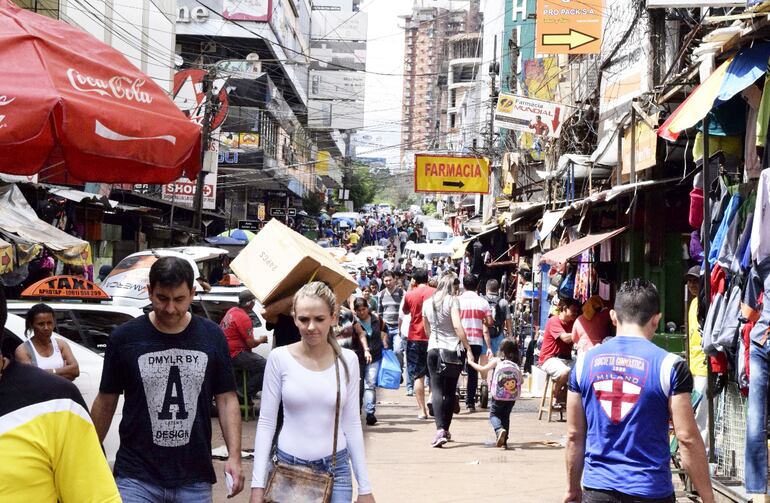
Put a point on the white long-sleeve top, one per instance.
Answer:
(309, 399)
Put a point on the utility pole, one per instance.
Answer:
(494, 68)
(212, 105)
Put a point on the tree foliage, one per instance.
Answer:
(364, 186)
(312, 203)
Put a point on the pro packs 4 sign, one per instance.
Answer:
(569, 26)
(439, 173)
(542, 118)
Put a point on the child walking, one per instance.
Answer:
(504, 388)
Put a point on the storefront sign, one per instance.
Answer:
(646, 144)
(282, 212)
(65, 287)
(246, 10)
(542, 118)
(191, 99)
(261, 211)
(437, 173)
(249, 225)
(182, 192)
(569, 27)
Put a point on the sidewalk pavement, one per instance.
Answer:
(404, 468)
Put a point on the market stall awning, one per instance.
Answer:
(19, 222)
(729, 79)
(563, 253)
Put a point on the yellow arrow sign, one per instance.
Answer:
(573, 39)
(451, 173)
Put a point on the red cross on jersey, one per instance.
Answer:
(617, 397)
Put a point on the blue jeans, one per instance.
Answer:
(370, 386)
(495, 341)
(500, 414)
(473, 378)
(140, 491)
(756, 425)
(343, 480)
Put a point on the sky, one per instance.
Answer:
(382, 101)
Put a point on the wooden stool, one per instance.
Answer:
(548, 395)
(246, 411)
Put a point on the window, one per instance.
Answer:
(67, 326)
(96, 327)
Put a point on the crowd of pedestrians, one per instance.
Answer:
(321, 378)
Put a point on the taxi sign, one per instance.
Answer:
(66, 287)
(451, 173)
(569, 26)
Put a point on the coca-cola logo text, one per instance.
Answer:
(122, 88)
(4, 100)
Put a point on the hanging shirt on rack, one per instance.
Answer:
(760, 230)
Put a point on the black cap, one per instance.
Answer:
(245, 296)
(693, 272)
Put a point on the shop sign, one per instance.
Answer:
(190, 97)
(66, 287)
(439, 173)
(542, 118)
(182, 192)
(249, 225)
(282, 212)
(246, 10)
(645, 146)
(569, 27)
(261, 211)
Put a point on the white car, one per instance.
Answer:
(87, 323)
(90, 364)
(127, 282)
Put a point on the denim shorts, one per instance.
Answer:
(417, 358)
(140, 491)
(343, 479)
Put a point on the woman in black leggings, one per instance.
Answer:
(441, 316)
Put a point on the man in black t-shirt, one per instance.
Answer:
(169, 365)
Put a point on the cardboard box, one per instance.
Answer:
(278, 261)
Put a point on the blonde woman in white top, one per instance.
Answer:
(42, 350)
(302, 376)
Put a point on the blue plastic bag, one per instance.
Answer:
(389, 375)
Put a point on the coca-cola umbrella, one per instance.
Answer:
(68, 99)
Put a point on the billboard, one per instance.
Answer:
(519, 113)
(451, 173)
(339, 25)
(333, 54)
(627, 74)
(247, 10)
(332, 85)
(335, 114)
(569, 27)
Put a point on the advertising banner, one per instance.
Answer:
(542, 118)
(333, 54)
(569, 27)
(451, 173)
(333, 85)
(335, 114)
(338, 25)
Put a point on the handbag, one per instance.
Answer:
(291, 483)
(450, 361)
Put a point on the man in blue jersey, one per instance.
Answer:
(621, 396)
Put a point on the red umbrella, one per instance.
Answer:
(68, 99)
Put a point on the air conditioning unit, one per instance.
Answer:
(209, 47)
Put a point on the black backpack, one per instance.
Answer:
(498, 315)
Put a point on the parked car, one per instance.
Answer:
(430, 250)
(438, 233)
(127, 282)
(88, 381)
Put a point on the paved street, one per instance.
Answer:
(404, 468)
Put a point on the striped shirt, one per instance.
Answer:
(473, 311)
(389, 305)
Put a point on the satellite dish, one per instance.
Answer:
(252, 56)
(178, 60)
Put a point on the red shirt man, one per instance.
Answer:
(238, 329)
(413, 302)
(556, 351)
